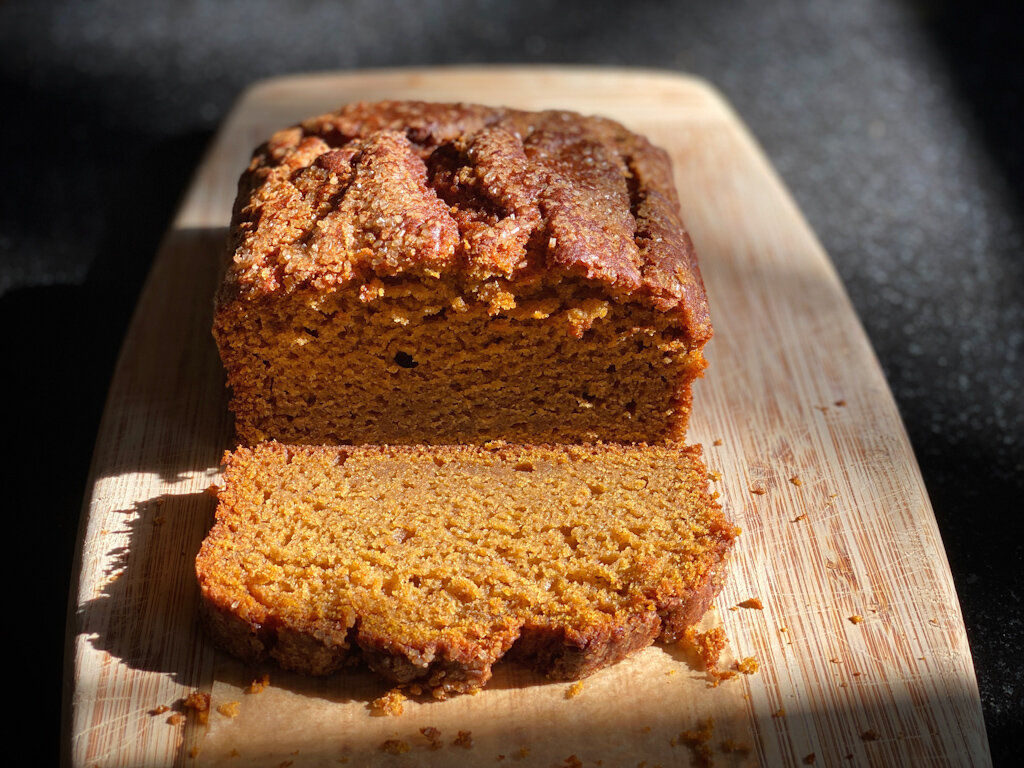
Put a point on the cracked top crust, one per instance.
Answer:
(464, 192)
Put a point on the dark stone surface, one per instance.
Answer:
(895, 125)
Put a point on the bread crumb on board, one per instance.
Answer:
(699, 742)
(258, 686)
(731, 746)
(856, 618)
(390, 704)
(753, 603)
(433, 737)
(230, 708)
(574, 690)
(747, 665)
(463, 739)
(199, 703)
(709, 645)
(394, 746)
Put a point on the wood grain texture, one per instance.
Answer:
(794, 414)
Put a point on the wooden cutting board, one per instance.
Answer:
(861, 645)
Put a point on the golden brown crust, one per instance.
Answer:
(432, 563)
(467, 192)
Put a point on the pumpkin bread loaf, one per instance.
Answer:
(431, 563)
(406, 272)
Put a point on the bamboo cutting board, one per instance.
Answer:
(861, 645)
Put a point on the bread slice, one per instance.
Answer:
(413, 273)
(431, 563)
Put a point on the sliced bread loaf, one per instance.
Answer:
(431, 563)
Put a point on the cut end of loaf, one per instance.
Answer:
(433, 563)
(416, 362)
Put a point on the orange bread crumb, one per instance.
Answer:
(747, 666)
(395, 746)
(389, 704)
(200, 704)
(699, 742)
(258, 686)
(433, 737)
(709, 645)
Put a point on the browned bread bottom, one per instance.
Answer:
(431, 563)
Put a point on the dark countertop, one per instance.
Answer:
(896, 125)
